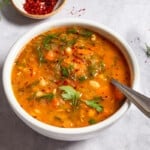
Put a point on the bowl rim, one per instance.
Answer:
(27, 118)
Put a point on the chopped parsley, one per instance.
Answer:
(40, 55)
(69, 93)
(86, 33)
(82, 78)
(71, 31)
(48, 97)
(48, 39)
(66, 71)
(95, 103)
(92, 121)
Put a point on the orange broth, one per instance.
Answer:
(62, 77)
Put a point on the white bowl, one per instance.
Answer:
(68, 134)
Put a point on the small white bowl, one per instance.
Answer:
(18, 4)
(68, 134)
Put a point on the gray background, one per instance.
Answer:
(130, 19)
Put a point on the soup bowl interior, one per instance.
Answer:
(68, 134)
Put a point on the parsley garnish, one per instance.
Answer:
(48, 96)
(66, 71)
(92, 70)
(67, 43)
(48, 39)
(86, 33)
(71, 31)
(94, 103)
(71, 42)
(92, 121)
(69, 93)
(40, 55)
(101, 66)
(82, 78)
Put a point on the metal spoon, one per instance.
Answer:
(141, 101)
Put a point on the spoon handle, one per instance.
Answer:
(141, 101)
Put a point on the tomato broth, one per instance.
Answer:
(62, 77)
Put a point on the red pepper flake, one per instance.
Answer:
(39, 7)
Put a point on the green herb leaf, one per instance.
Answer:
(66, 71)
(63, 40)
(48, 96)
(67, 43)
(94, 103)
(40, 55)
(94, 67)
(47, 40)
(92, 121)
(71, 42)
(92, 70)
(82, 78)
(86, 33)
(147, 50)
(70, 94)
(71, 31)
(101, 66)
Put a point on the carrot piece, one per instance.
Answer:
(55, 102)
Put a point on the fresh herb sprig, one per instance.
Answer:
(69, 93)
(66, 71)
(40, 55)
(48, 97)
(94, 103)
(92, 121)
(48, 39)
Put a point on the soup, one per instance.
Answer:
(62, 77)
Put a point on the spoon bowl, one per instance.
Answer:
(142, 102)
